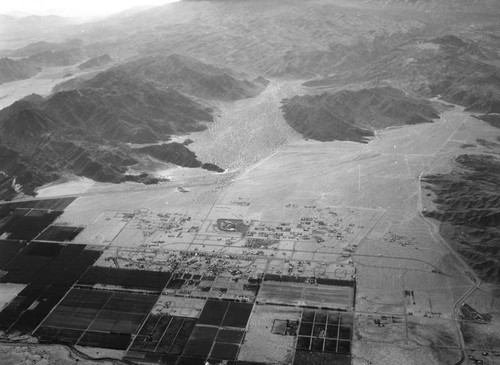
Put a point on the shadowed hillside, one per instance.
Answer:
(11, 70)
(178, 154)
(491, 119)
(353, 115)
(458, 69)
(83, 131)
(126, 109)
(468, 204)
(193, 77)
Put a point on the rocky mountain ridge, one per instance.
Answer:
(354, 115)
(83, 131)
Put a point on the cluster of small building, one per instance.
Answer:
(173, 224)
(309, 228)
(399, 239)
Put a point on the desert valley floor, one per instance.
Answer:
(319, 252)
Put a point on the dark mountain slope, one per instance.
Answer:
(122, 108)
(491, 119)
(461, 70)
(468, 204)
(178, 154)
(83, 131)
(193, 77)
(23, 122)
(11, 70)
(353, 115)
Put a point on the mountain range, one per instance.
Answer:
(366, 66)
(354, 115)
(459, 69)
(187, 75)
(84, 131)
(12, 70)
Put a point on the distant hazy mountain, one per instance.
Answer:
(56, 58)
(46, 54)
(96, 62)
(11, 70)
(30, 26)
(284, 38)
(43, 46)
(466, 6)
(460, 70)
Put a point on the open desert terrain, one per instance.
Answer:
(252, 182)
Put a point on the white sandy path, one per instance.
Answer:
(68, 188)
(8, 292)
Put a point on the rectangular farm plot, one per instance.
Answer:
(116, 322)
(320, 358)
(176, 336)
(8, 250)
(53, 204)
(219, 343)
(45, 204)
(117, 341)
(162, 334)
(321, 296)
(237, 315)
(230, 336)
(325, 331)
(77, 318)
(101, 315)
(186, 360)
(226, 314)
(201, 341)
(213, 313)
(27, 224)
(86, 298)
(44, 298)
(126, 278)
(65, 336)
(224, 351)
(59, 233)
(49, 263)
(227, 344)
(49, 278)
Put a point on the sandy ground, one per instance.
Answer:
(248, 130)
(80, 186)
(41, 355)
(260, 344)
(9, 291)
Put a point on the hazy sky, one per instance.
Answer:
(74, 8)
